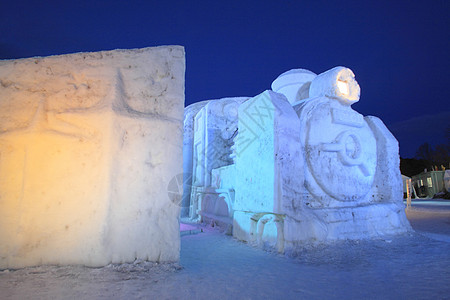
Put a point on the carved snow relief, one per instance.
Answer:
(88, 145)
(340, 148)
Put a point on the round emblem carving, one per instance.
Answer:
(340, 152)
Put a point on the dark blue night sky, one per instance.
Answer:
(399, 50)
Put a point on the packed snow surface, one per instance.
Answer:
(216, 266)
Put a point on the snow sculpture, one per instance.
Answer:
(307, 166)
(346, 160)
(88, 145)
(214, 130)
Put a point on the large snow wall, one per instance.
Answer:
(89, 144)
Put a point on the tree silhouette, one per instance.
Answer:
(425, 152)
(440, 156)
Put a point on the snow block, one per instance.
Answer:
(267, 152)
(89, 145)
(268, 167)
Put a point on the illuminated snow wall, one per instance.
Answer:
(88, 145)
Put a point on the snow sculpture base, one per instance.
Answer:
(332, 224)
(287, 233)
(88, 145)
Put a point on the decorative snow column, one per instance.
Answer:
(88, 145)
(267, 165)
(353, 186)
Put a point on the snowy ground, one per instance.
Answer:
(215, 266)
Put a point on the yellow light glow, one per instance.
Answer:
(343, 87)
(47, 171)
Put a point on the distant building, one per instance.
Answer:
(447, 180)
(427, 184)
